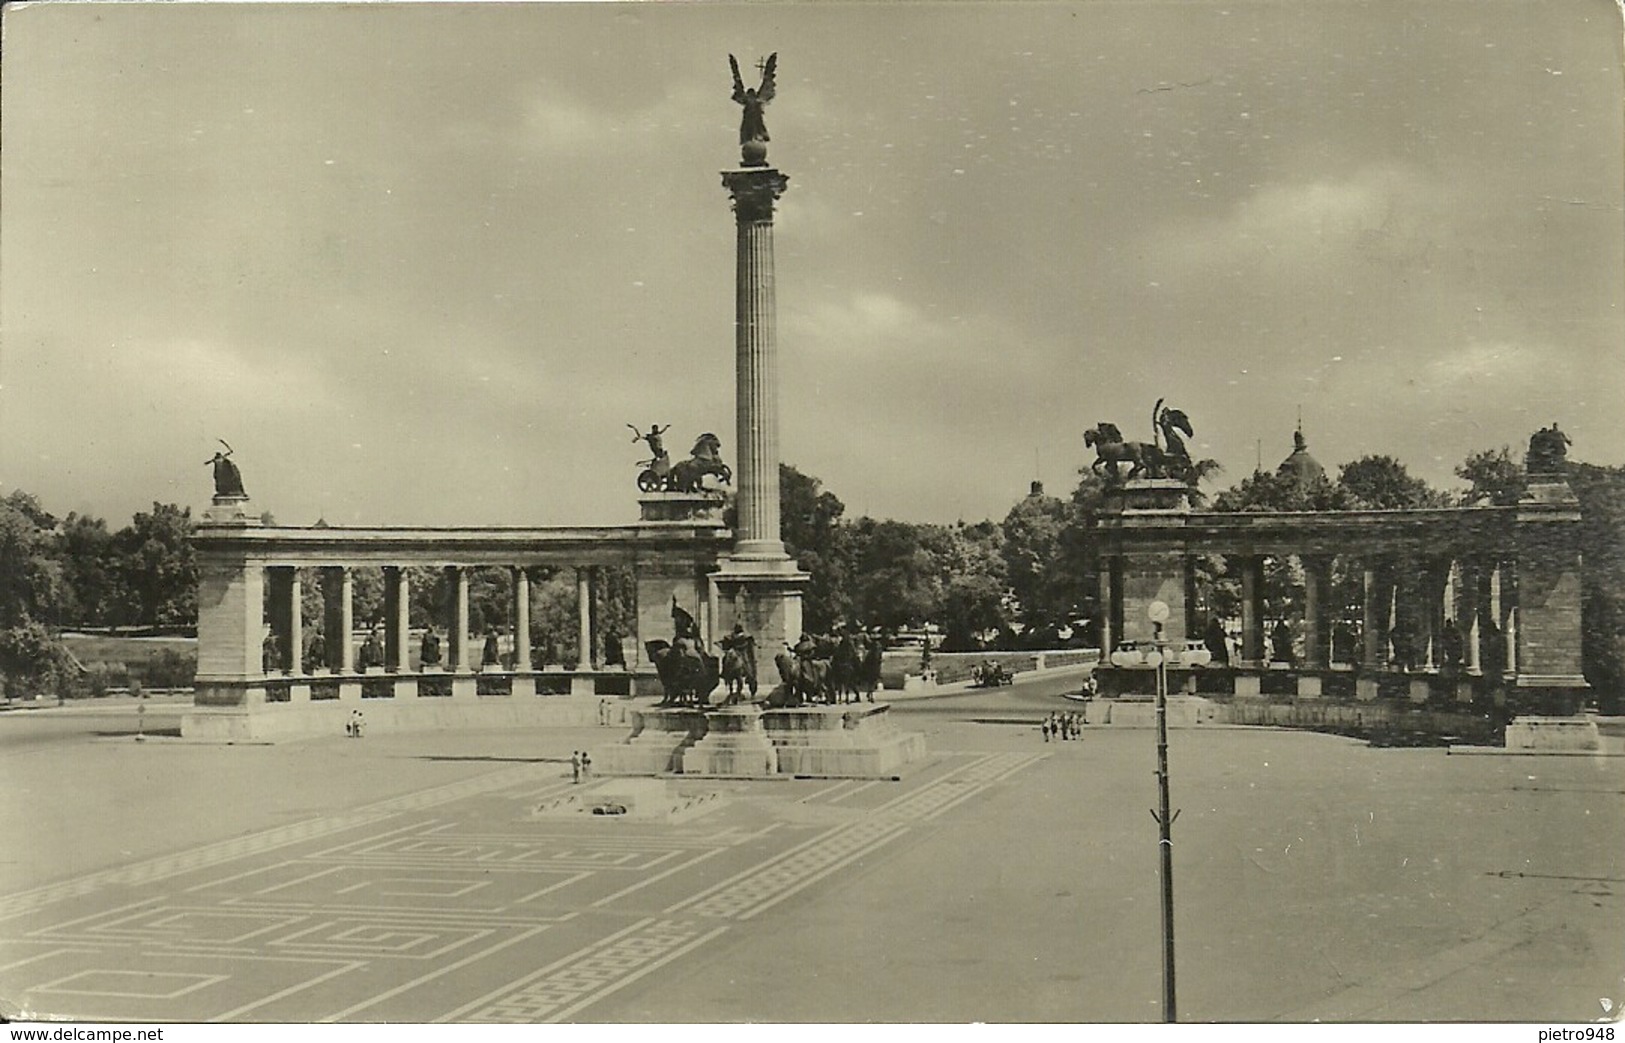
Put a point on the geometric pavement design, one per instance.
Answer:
(451, 904)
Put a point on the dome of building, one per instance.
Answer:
(1302, 468)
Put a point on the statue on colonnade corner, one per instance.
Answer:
(1165, 456)
(753, 137)
(1548, 451)
(228, 481)
(660, 475)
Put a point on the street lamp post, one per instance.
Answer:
(1158, 657)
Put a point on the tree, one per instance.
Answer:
(1032, 549)
(32, 587)
(90, 569)
(1493, 477)
(32, 595)
(159, 577)
(1601, 491)
(898, 582)
(1381, 483)
(972, 605)
(810, 518)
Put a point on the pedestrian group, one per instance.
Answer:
(1062, 726)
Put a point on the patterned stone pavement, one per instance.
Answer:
(453, 903)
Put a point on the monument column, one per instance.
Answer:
(758, 585)
(756, 362)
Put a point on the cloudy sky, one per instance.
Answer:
(421, 265)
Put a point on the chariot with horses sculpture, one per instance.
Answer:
(1165, 456)
(661, 475)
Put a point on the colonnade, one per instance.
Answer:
(340, 652)
(1417, 614)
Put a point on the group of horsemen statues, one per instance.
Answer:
(839, 667)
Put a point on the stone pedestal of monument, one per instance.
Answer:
(734, 745)
(750, 742)
(855, 740)
(655, 747)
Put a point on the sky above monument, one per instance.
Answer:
(423, 264)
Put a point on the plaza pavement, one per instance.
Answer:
(410, 878)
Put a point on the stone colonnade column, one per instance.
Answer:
(281, 582)
(756, 405)
(1108, 610)
(1317, 571)
(1370, 627)
(296, 623)
(583, 618)
(397, 620)
(1468, 607)
(521, 618)
(1435, 581)
(1252, 611)
(337, 620)
(457, 659)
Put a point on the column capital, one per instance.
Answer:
(755, 191)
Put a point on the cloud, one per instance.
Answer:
(1297, 230)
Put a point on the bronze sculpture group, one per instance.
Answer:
(1548, 451)
(660, 475)
(840, 667)
(1163, 457)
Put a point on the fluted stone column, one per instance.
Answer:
(758, 586)
(583, 619)
(521, 619)
(756, 388)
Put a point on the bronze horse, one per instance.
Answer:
(686, 678)
(1111, 451)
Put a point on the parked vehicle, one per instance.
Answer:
(990, 675)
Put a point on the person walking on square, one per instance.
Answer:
(575, 766)
(1044, 727)
(586, 765)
